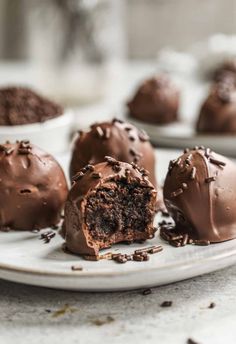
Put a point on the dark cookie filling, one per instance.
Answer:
(121, 206)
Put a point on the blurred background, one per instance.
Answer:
(91, 51)
(91, 41)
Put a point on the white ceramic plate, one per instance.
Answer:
(26, 259)
(182, 135)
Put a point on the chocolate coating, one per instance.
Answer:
(109, 202)
(33, 188)
(117, 139)
(155, 101)
(200, 195)
(218, 112)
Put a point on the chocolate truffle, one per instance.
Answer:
(218, 112)
(19, 105)
(200, 195)
(108, 203)
(156, 101)
(117, 139)
(33, 188)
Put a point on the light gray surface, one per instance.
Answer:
(137, 318)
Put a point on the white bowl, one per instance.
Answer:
(53, 135)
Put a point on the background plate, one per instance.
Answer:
(182, 135)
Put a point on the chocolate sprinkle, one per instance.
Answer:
(166, 304)
(174, 238)
(78, 176)
(212, 305)
(47, 237)
(217, 162)
(76, 268)
(147, 291)
(191, 341)
(99, 132)
(107, 133)
(207, 152)
(117, 120)
(96, 175)
(210, 179)
(193, 173)
(176, 192)
(143, 136)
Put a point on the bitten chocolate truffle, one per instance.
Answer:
(33, 188)
(19, 105)
(155, 101)
(108, 203)
(200, 195)
(218, 112)
(117, 139)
